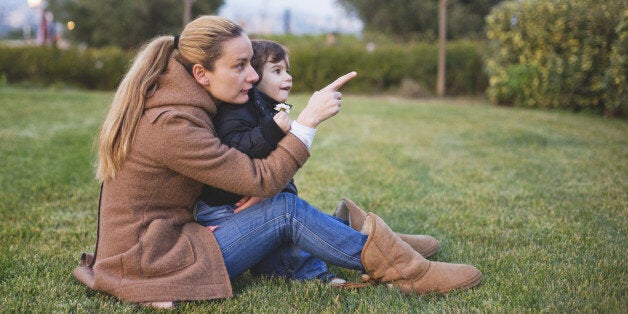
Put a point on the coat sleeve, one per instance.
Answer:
(189, 146)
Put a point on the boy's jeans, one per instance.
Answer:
(268, 236)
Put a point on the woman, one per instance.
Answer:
(157, 149)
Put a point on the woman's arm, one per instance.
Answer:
(237, 126)
(189, 146)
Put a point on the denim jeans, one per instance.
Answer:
(277, 235)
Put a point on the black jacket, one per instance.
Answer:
(249, 128)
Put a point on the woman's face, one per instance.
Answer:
(276, 80)
(232, 76)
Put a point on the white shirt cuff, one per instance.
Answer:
(303, 133)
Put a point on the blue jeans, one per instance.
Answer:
(268, 236)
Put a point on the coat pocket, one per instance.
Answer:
(164, 250)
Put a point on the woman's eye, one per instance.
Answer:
(240, 66)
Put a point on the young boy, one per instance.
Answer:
(255, 128)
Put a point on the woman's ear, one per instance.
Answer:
(198, 71)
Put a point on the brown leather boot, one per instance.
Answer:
(387, 258)
(424, 244)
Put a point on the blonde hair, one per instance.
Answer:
(200, 43)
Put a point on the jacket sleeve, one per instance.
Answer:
(238, 127)
(189, 146)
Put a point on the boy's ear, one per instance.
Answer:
(198, 71)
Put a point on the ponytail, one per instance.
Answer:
(116, 134)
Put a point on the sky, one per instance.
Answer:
(15, 12)
(256, 16)
(306, 16)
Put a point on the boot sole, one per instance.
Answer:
(472, 282)
(431, 252)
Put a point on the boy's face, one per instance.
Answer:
(276, 81)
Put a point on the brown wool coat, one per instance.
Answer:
(149, 248)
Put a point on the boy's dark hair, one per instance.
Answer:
(266, 50)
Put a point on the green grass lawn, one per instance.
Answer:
(537, 200)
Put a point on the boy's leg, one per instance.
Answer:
(290, 261)
(250, 236)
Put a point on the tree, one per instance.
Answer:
(125, 23)
(406, 18)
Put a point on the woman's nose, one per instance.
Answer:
(252, 76)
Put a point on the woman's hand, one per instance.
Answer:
(283, 121)
(324, 103)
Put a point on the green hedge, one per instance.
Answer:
(85, 68)
(559, 54)
(409, 68)
(385, 68)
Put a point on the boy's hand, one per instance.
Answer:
(283, 121)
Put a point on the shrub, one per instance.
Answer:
(616, 97)
(85, 68)
(384, 68)
(557, 54)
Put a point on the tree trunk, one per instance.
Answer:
(187, 11)
(442, 39)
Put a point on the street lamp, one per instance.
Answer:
(34, 3)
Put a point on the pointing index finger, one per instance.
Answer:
(339, 82)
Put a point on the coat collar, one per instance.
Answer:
(263, 101)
